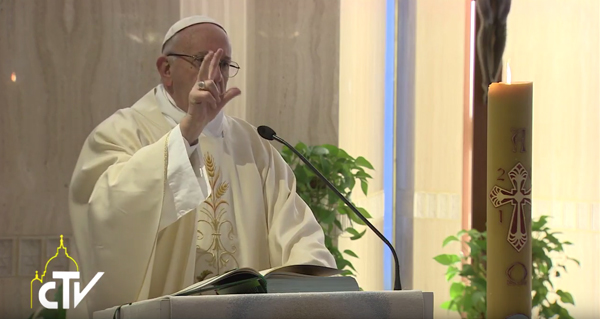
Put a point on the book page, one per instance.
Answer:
(226, 278)
(301, 271)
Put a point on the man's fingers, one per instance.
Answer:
(213, 88)
(215, 69)
(229, 95)
(205, 66)
(200, 97)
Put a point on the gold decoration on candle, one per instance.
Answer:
(518, 197)
(509, 145)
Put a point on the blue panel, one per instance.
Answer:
(388, 155)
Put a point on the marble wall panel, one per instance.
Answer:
(293, 68)
(7, 257)
(66, 65)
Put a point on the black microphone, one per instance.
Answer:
(269, 134)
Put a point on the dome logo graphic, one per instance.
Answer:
(66, 276)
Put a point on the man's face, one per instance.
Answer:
(196, 40)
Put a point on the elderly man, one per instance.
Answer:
(170, 190)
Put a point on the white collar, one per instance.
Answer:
(174, 114)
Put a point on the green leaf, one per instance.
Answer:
(453, 305)
(537, 225)
(363, 162)
(467, 301)
(362, 174)
(345, 262)
(575, 260)
(467, 270)
(565, 297)
(301, 147)
(479, 283)
(456, 290)
(445, 305)
(332, 198)
(355, 234)
(325, 165)
(347, 272)
(475, 248)
(364, 186)
(553, 239)
(302, 175)
(337, 223)
(548, 261)
(345, 171)
(349, 183)
(449, 239)
(451, 272)
(478, 296)
(333, 150)
(285, 154)
(537, 251)
(547, 312)
(537, 299)
(364, 212)
(563, 267)
(350, 252)
(447, 259)
(328, 217)
(555, 307)
(320, 150)
(482, 243)
(342, 154)
(474, 233)
(357, 219)
(564, 314)
(343, 210)
(543, 268)
(543, 293)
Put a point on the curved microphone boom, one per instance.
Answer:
(269, 134)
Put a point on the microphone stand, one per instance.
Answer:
(269, 134)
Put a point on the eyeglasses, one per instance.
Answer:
(228, 68)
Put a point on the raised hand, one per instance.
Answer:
(206, 99)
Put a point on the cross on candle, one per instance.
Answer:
(518, 196)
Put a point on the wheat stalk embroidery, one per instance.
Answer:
(215, 209)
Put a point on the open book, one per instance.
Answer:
(285, 279)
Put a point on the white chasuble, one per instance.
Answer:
(154, 217)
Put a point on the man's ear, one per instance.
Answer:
(164, 69)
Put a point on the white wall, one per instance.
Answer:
(563, 61)
(361, 120)
(429, 127)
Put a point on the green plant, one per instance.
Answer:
(344, 171)
(468, 296)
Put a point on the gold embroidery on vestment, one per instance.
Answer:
(214, 215)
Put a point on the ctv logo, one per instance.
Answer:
(66, 276)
